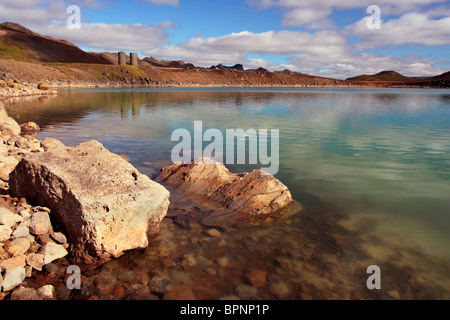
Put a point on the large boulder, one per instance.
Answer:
(248, 194)
(106, 206)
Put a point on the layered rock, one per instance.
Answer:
(106, 206)
(241, 195)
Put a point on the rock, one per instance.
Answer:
(9, 218)
(394, 294)
(106, 206)
(250, 194)
(3, 84)
(59, 237)
(10, 126)
(5, 233)
(160, 285)
(36, 260)
(256, 278)
(279, 289)
(305, 296)
(52, 251)
(29, 129)
(310, 267)
(188, 261)
(23, 293)
(47, 292)
(51, 143)
(245, 291)
(180, 293)
(43, 86)
(13, 263)
(282, 262)
(213, 233)
(17, 247)
(222, 262)
(21, 232)
(13, 278)
(40, 223)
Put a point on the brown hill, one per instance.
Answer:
(382, 76)
(21, 44)
(445, 76)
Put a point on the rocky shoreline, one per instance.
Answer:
(86, 206)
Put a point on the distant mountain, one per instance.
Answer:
(382, 76)
(444, 76)
(22, 44)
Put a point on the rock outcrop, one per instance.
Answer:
(106, 206)
(241, 195)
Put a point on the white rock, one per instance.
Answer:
(36, 260)
(47, 292)
(13, 278)
(5, 233)
(53, 251)
(9, 218)
(21, 232)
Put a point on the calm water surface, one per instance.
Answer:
(371, 168)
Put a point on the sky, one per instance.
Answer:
(329, 38)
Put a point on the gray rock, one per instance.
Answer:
(245, 291)
(59, 237)
(106, 206)
(21, 232)
(160, 285)
(13, 278)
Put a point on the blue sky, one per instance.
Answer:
(321, 37)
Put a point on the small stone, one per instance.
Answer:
(21, 232)
(310, 267)
(279, 289)
(53, 251)
(13, 278)
(180, 293)
(213, 233)
(283, 262)
(40, 223)
(12, 263)
(43, 86)
(47, 292)
(51, 143)
(17, 247)
(126, 275)
(59, 237)
(394, 294)
(36, 260)
(23, 293)
(245, 291)
(222, 261)
(5, 233)
(256, 278)
(160, 285)
(211, 271)
(9, 218)
(188, 261)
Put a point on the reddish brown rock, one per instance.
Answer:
(256, 278)
(180, 293)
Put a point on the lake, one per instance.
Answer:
(370, 167)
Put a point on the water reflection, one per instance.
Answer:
(370, 167)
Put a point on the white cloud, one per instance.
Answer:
(315, 13)
(410, 28)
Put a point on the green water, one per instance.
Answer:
(374, 162)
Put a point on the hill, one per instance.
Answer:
(381, 76)
(21, 44)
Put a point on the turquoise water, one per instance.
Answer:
(378, 157)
